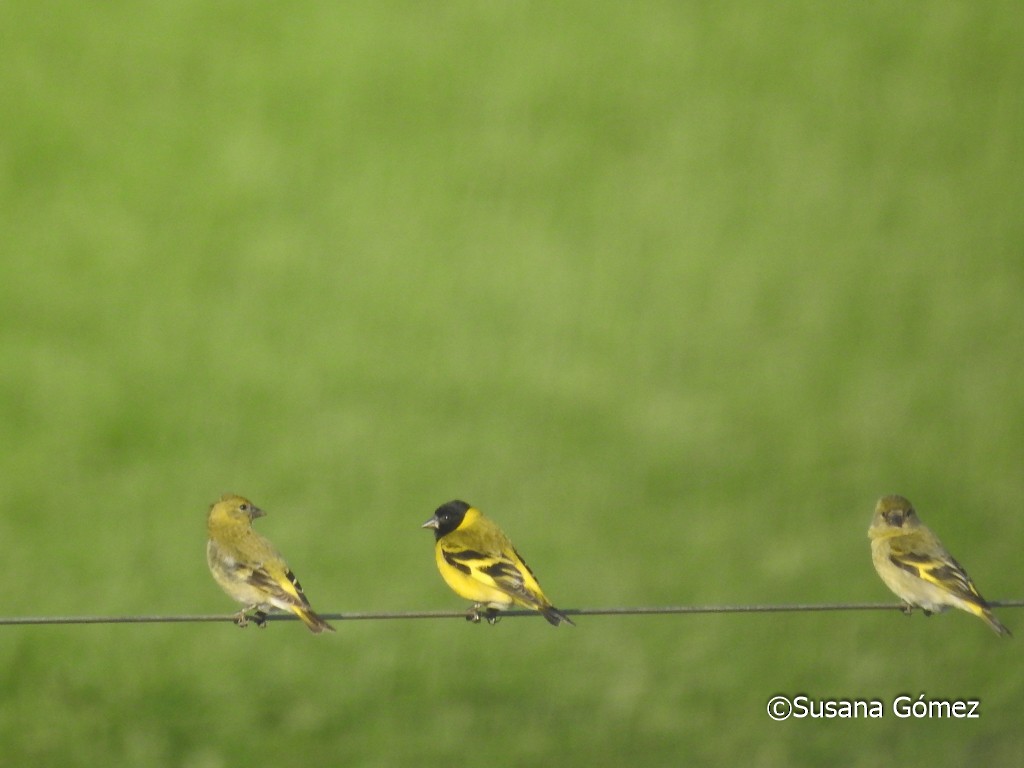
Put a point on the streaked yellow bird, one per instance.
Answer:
(479, 563)
(249, 569)
(913, 563)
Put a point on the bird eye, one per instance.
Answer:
(244, 507)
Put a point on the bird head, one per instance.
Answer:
(235, 508)
(894, 512)
(447, 518)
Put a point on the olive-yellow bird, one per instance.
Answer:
(913, 563)
(479, 563)
(249, 569)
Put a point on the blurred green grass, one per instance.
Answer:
(673, 293)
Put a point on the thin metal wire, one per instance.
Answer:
(397, 615)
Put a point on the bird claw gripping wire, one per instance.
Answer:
(259, 618)
(908, 610)
(492, 615)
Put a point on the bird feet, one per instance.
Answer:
(908, 609)
(474, 615)
(258, 617)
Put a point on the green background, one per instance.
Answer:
(673, 291)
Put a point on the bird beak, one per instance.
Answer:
(431, 523)
(255, 512)
(895, 519)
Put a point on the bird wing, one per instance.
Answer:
(944, 572)
(504, 571)
(276, 580)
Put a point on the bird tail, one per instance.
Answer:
(997, 626)
(312, 620)
(555, 616)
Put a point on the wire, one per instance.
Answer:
(393, 615)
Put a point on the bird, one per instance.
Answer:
(912, 562)
(249, 569)
(478, 561)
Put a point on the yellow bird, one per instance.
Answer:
(249, 569)
(913, 563)
(479, 563)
